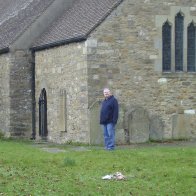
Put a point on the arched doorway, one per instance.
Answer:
(43, 131)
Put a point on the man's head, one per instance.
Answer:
(106, 92)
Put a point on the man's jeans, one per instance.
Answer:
(109, 136)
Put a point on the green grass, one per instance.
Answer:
(28, 170)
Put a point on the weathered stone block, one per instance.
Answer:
(156, 128)
(180, 126)
(138, 125)
(96, 133)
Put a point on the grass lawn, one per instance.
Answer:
(156, 170)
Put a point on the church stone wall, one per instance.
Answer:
(16, 94)
(62, 72)
(21, 89)
(5, 63)
(123, 54)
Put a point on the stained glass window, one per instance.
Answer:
(191, 53)
(166, 43)
(179, 26)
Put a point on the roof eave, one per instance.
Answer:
(4, 50)
(59, 43)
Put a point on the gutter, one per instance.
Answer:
(4, 50)
(33, 136)
(59, 43)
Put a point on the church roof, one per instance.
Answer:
(16, 16)
(76, 23)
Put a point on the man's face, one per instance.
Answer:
(106, 93)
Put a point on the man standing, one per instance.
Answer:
(108, 118)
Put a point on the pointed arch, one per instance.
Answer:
(191, 47)
(179, 28)
(43, 131)
(166, 46)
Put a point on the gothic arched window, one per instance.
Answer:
(191, 45)
(177, 33)
(179, 27)
(166, 44)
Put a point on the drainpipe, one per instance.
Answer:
(33, 136)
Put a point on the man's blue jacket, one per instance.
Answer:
(109, 111)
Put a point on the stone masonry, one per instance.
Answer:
(16, 96)
(21, 74)
(5, 64)
(62, 71)
(123, 53)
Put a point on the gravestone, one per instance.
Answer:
(120, 132)
(156, 128)
(180, 126)
(138, 125)
(96, 133)
(192, 125)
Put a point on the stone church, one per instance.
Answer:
(56, 56)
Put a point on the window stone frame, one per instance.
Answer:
(159, 21)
